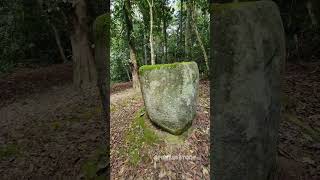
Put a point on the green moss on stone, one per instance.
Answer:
(101, 25)
(145, 68)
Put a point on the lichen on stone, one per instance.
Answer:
(170, 94)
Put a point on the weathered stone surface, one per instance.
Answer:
(247, 52)
(170, 94)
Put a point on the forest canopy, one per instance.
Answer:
(142, 32)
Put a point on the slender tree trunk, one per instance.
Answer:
(188, 44)
(195, 29)
(58, 41)
(133, 52)
(84, 72)
(145, 42)
(55, 33)
(181, 28)
(150, 2)
(133, 58)
(178, 45)
(165, 45)
(127, 71)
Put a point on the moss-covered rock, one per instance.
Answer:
(170, 94)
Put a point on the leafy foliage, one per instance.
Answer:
(27, 36)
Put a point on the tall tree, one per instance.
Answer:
(195, 29)
(143, 8)
(84, 72)
(151, 4)
(181, 25)
(188, 43)
(127, 10)
(164, 29)
(75, 15)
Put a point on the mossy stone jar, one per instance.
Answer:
(170, 94)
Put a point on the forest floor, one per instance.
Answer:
(136, 146)
(49, 129)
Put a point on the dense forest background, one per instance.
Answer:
(37, 33)
(50, 128)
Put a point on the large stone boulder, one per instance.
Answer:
(170, 94)
(247, 53)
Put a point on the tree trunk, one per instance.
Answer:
(84, 73)
(127, 71)
(150, 2)
(195, 29)
(181, 28)
(145, 44)
(58, 41)
(133, 57)
(133, 53)
(177, 47)
(188, 44)
(165, 45)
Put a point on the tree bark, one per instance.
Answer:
(145, 44)
(195, 29)
(181, 28)
(127, 71)
(188, 44)
(165, 45)
(150, 2)
(84, 73)
(133, 53)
